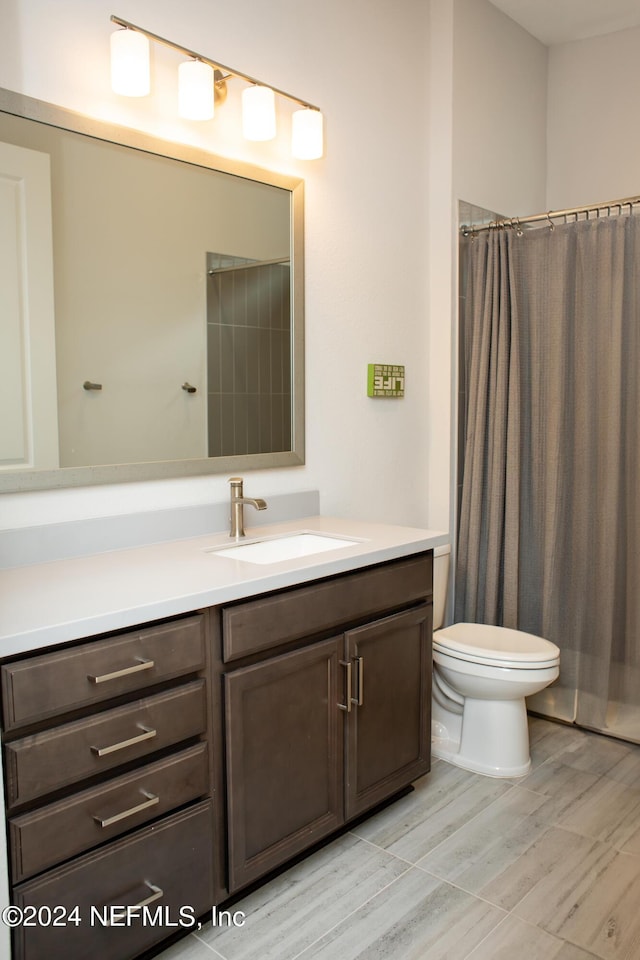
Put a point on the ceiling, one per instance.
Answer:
(560, 21)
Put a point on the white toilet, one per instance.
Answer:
(481, 676)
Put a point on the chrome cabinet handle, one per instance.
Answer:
(151, 801)
(360, 661)
(347, 706)
(142, 664)
(148, 734)
(156, 894)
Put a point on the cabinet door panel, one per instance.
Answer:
(284, 758)
(388, 734)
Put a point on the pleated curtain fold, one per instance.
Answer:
(549, 525)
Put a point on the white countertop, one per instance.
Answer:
(49, 603)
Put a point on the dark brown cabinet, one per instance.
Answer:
(284, 758)
(121, 899)
(169, 766)
(108, 785)
(321, 733)
(388, 736)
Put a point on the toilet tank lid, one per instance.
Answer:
(443, 550)
(498, 643)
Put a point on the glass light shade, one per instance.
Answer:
(306, 134)
(195, 90)
(130, 74)
(258, 113)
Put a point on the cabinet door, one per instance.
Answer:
(388, 738)
(284, 734)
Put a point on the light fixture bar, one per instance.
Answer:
(212, 63)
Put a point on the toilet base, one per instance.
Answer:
(491, 737)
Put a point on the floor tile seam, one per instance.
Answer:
(214, 952)
(562, 750)
(531, 893)
(469, 893)
(617, 846)
(465, 824)
(490, 933)
(394, 856)
(353, 912)
(553, 758)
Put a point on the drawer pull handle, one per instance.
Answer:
(347, 706)
(125, 672)
(147, 734)
(151, 801)
(156, 894)
(360, 661)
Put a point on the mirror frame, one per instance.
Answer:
(24, 480)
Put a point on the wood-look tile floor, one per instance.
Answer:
(466, 867)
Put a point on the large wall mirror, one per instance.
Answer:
(152, 306)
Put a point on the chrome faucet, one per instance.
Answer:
(238, 501)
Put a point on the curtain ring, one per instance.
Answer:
(519, 231)
(551, 223)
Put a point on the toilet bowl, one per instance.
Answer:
(481, 676)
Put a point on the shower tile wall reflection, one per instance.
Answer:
(249, 359)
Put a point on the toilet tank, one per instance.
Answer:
(441, 558)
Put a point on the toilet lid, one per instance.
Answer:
(472, 641)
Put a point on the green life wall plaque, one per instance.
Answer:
(385, 380)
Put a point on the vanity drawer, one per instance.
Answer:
(269, 621)
(62, 830)
(43, 762)
(168, 864)
(54, 683)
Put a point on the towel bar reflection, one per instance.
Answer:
(88, 385)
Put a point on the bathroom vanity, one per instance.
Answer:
(178, 723)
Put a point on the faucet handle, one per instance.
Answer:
(236, 486)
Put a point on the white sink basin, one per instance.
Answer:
(287, 547)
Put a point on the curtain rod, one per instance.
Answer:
(551, 215)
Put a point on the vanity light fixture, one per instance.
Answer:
(195, 90)
(130, 75)
(258, 113)
(203, 82)
(306, 134)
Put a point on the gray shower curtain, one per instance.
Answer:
(549, 525)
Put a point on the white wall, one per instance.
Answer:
(364, 64)
(500, 111)
(488, 146)
(594, 136)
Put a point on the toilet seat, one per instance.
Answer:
(495, 646)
